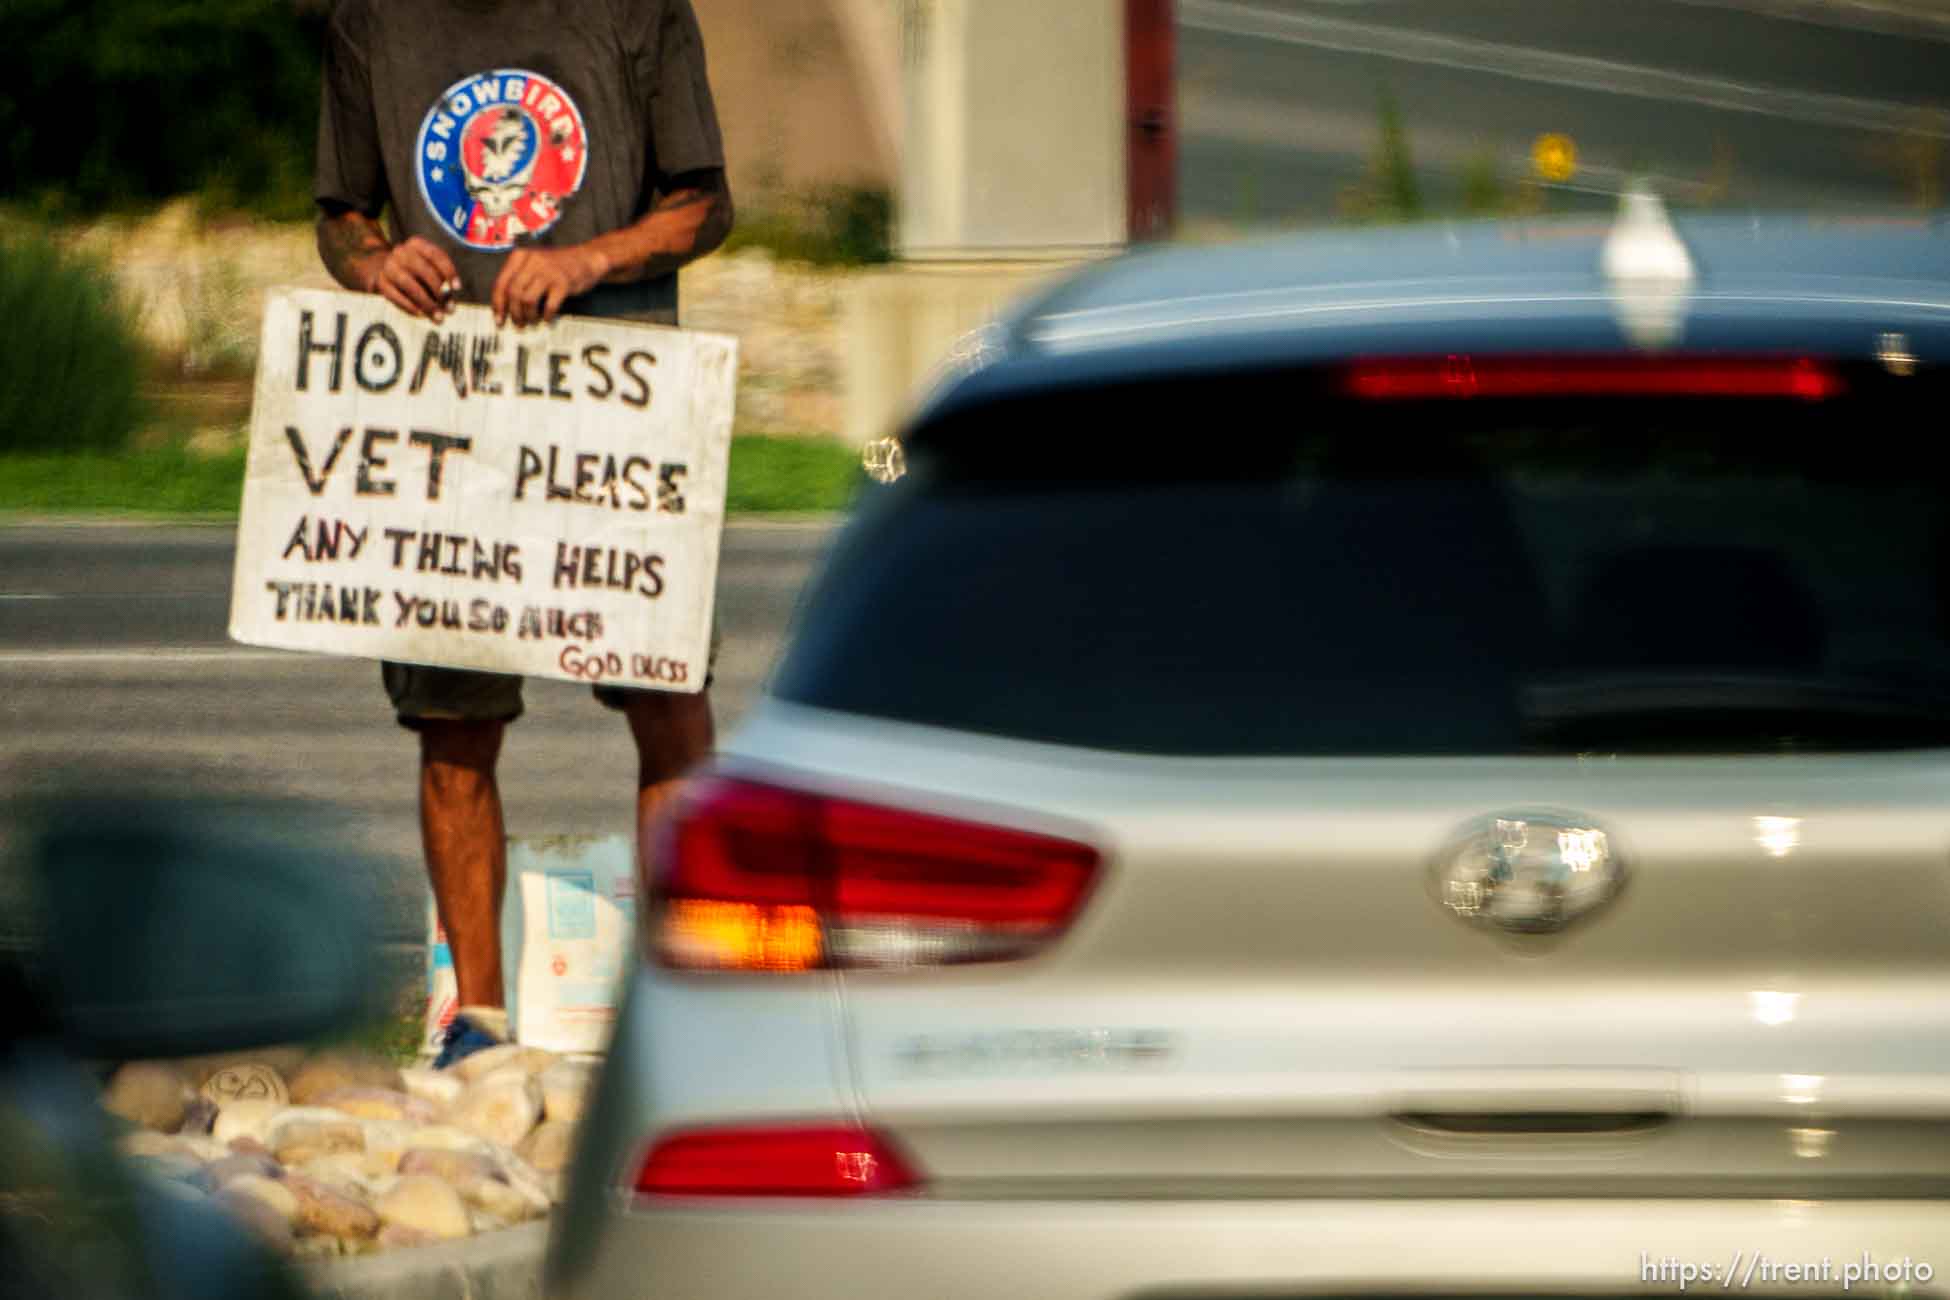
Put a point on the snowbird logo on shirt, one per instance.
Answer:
(499, 155)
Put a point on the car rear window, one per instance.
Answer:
(1256, 567)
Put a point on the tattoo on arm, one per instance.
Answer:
(347, 239)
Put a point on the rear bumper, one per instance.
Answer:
(1120, 1250)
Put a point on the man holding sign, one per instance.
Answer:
(545, 158)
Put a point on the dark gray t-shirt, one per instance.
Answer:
(488, 124)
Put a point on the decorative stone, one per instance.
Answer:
(171, 1166)
(427, 1205)
(344, 1172)
(147, 1142)
(386, 1143)
(199, 1069)
(219, 1173)
(203, 1148)
(198, 1118)
(149, 1093)
(245, 1119)
(487, 1061)
(265, 1191)
(246, 1081)
(259, 1218)
(564, 1086)
(495, 1197)
(329, 1212)
(536, 1188)
(318, 1247)
(329, 1072)
(445, 1137)
(548, 1147)
(380, 1103)
(438, 1088)
(501, 1106)
(249, 1146)
(308, 1139)
(536, 1060)
(457, 1167)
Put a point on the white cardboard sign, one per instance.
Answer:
(546, 502)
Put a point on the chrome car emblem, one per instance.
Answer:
(1528, 873)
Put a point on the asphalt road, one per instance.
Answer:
(1768, 103)
(115, 665)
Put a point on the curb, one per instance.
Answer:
(504, 1265)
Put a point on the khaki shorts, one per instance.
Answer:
(420, 693)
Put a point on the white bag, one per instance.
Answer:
(568, 932)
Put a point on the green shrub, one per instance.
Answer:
(119, 102)
(835, 225)
(73, 366)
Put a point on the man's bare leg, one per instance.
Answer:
(673, 733)
(466, 847)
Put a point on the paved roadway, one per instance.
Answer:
(1792, 103)
(113, 652)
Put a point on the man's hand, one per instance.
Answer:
(535, 282)
(417, 277)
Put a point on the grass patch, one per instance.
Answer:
(772, 475)
(769, 475)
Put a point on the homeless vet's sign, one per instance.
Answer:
(545, 502)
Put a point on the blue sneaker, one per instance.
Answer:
(462, 1040)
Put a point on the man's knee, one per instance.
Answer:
(461, 748)
(672, 732)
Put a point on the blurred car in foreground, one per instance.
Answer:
(164, 928)
(1407, 762)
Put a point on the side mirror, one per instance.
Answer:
(170, 929)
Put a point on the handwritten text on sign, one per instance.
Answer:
(545, 502)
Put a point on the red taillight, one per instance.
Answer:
(759, 877)
(836, 1160)
(1461, 375)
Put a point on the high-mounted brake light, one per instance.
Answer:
(1462, 375)
(834, 1160)
(755, 877)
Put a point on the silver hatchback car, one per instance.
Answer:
(1399, 763)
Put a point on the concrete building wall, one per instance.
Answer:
(1014, 127)
(806, 91)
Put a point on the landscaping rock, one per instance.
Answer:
(221, 1172)
(249, 1146)
(426, 1205)
(565, 1084)
(548, 1147)
(502, 1106)
(386, 1143)
(495, 1197)
(259, 1218)
(446, 1137)
(487, 1061)
(146, 1142)
(198, 1118)
(344, 1172)
(328, 1212)
(536, 1060)
(438, 1088)
(457, 1167)
(329, 1072)
(306, 1140)
(245, 1119)
(380, 1103)
(199, 1069)
(268, 1192)
(537, 1189)
(246, 1081)
(150, 1093)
